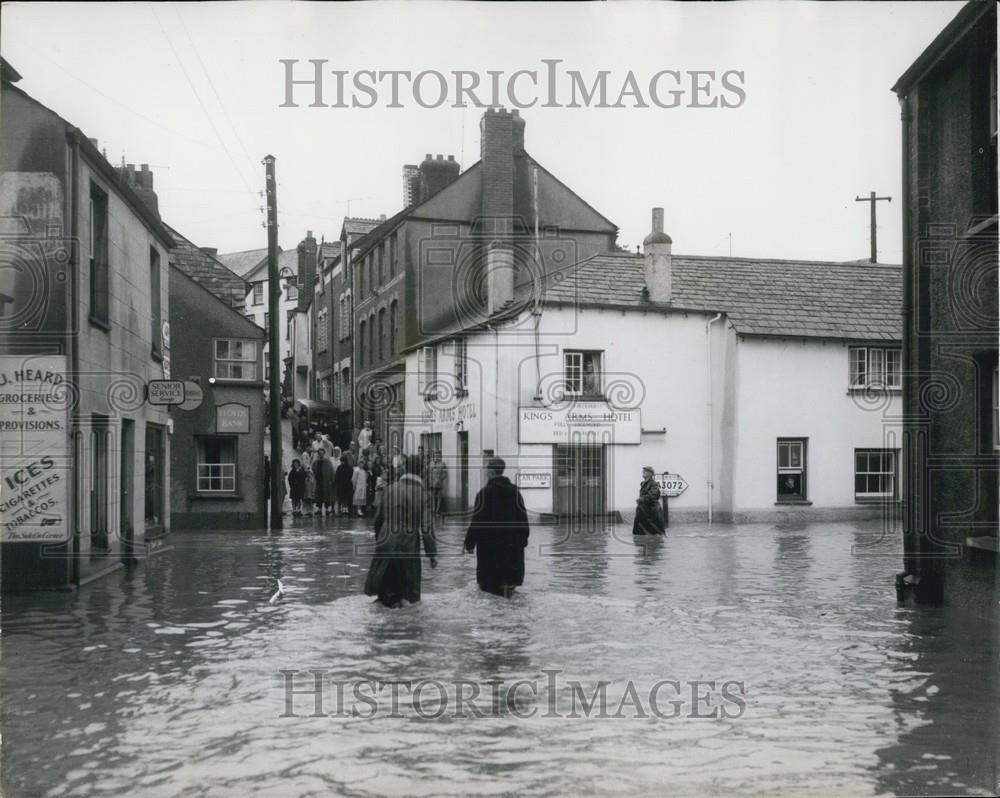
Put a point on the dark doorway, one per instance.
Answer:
(579, 484)
(463, 470)
(126, 501)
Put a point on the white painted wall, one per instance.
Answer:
(795, 388)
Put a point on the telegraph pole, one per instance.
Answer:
(872, 199)
(274, 384)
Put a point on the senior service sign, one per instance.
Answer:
(33, 448)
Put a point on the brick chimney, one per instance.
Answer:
(435, 174)
(501, 132)
(141, 182)
(307, 252)
(657, 260)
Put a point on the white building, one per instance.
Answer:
(770, 387)
(251, 265)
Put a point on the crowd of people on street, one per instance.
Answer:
(403, 494)
(327, 480)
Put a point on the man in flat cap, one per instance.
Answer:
(648, 515)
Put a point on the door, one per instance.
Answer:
(580, 488)
(463, 470)
(127, 486)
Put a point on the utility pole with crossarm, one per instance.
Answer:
(872, 199)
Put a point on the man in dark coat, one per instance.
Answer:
(324, 475)
(648, 515)
(498, 533)
(404, 518)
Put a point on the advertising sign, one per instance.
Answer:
(34, 461)
(165, 392)
(559, 424)
(193, 395)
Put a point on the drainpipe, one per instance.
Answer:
(537, 306)
(909, 510)
(708, 408)
(73, 340)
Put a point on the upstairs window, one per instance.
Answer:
(100, 279)
(154, 301)
(875, 367)
(426, 369)
(258, 293)
(361, 345)
(235, 359)
(381, 334)
(582, 373)
(392, 256)
(461, 364)
(381, 263)
(393, 312)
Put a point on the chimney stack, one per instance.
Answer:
(307, 251)
(500, 133)
(657, 261)
(141, 183)
(499, 277)
(434, 174)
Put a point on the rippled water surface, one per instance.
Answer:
(166, 679)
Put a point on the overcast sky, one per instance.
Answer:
(195, 90)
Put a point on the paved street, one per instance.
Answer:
(164, 680)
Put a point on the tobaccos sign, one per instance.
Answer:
(34, 460)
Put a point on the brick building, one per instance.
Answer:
(948, 98)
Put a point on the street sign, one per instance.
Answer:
(165, 392)
(671, 484)
(193, 395)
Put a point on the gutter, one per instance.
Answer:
(907, 350)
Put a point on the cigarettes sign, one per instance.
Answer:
(34, 460)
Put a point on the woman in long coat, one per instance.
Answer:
(648, 515)
(403, 521)
(345, 483)
(498, 533)
(296, 486)
(323, 470)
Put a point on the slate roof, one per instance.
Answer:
(207, 271)
(359, 226)
(242, 263)
(329, 249)
(812, 299)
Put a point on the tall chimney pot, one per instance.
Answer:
(657, 261)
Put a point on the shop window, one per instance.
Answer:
(461, 365)
(154, 476)
(217, 464)
(791, 469)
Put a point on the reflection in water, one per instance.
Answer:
(165, 680)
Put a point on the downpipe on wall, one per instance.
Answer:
(708, 408)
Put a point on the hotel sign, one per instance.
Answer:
(34, 457)
(583, 422)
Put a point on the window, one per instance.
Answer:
(393, 313)
(371, 338)
(235, 359)
(217, 464)
(426, 369)
(875, 367)
(361, 345)
(461, 364)
(791, 469)
(258, 293)
(100, 440)
(582, 372)
(874, 474)
(322, 330)
(154, 476)
(100, 286)
(381, 263)
(267, 369)
(392, 256)
(154, 301)
(381, 334)
(291, 290)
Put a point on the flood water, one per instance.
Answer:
(165, 679)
